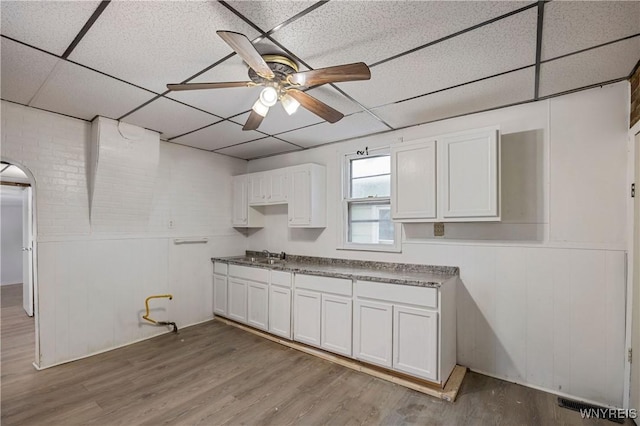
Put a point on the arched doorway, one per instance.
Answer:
(19, 272)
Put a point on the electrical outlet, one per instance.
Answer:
(438, 229)
(171, 224)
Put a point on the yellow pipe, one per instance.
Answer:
(146, 304)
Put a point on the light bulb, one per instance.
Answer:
(289, 104)
(260, 108)
(269, 96)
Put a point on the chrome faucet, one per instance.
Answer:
(268, 254)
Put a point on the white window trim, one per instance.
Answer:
(343, 227)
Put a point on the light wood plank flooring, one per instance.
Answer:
(214, 374)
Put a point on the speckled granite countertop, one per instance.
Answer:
(393, 273)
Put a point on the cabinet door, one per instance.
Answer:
(299, 211)
(372, 340)
(280, 311)
(469, 175)
(336, 324)
(220, 295)
(258, 305)
(415, 342)
(277, 188)
(237, 306)
(306, 324)
(257, 188)
(413, 180)
(240, 200)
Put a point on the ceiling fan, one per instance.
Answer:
(281, 80)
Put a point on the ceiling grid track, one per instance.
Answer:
(540, 24)
(92, 19)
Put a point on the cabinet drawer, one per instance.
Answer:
(220, 268)
(281, 278)
(249, 273)
(410, 295)
(340, 286)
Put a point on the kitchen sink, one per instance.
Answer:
(271, 261)
(264, 260)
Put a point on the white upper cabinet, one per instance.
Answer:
(303, 188)
(451, 178)
(242, 214)
(268, 187)
(307, 196)
(257, 188)
(277, 187)
(469, 175)
(413, 180)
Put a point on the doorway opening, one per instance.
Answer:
(18, 282)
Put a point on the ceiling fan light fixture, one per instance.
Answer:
(269, 96)
(260, 108)
(289, 104)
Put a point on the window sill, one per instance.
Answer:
(371, 247)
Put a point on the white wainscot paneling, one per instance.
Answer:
(548, 317)
(98, 290)
(190, 283)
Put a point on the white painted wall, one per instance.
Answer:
(11, 235)
(542, 299)
(92, 285)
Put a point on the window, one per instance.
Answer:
(366, 203)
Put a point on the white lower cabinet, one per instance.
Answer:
(415, 342)
(280, 311)
(336, 324)
(258, 305)
(220, 294)
(409, 329)
(237, 305)
(306, 322)
(372, 328)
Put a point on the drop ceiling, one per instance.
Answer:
(429, 60)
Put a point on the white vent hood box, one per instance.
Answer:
(122, 174)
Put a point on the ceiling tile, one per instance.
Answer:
(259, 148)
(170, 118)
(352, 31)
(359, 124)
(574, 25)
(155, 43)
(219, 135)
(591, 67)
(503, 46)
(268, 14)
(48, 25)
(490, 93)
(80, 92)
(23, 71)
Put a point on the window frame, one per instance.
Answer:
(346, 201)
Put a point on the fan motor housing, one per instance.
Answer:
(280, 65)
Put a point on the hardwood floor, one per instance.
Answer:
(214, 374)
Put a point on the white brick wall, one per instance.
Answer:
(112, 272)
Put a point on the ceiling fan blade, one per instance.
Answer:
(317, 107)
(200, 86)
(348, 72)
(247, 51)
(253, 122)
